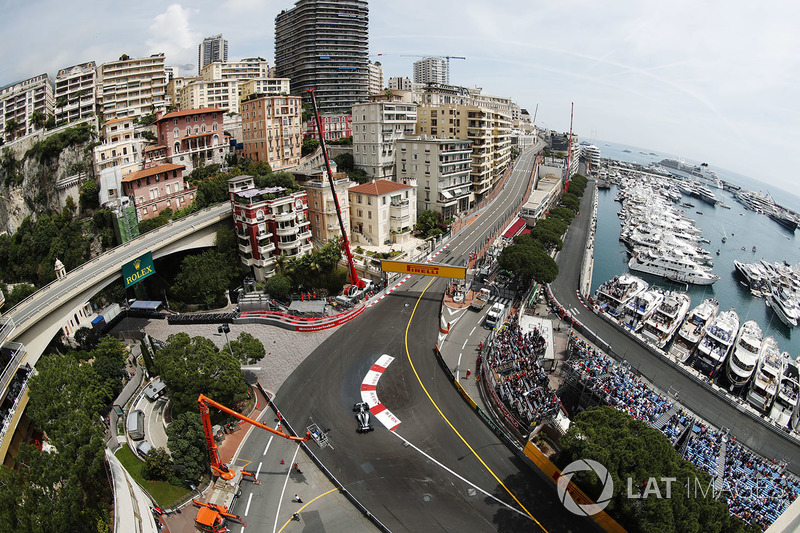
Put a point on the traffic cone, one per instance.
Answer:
(282, 462)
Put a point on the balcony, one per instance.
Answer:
(245, 248)
(266, 248)
(306, 248)
(304, 235)
(284, 216)
(286, 231)
(288, 245)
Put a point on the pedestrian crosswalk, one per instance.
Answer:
(497, 299)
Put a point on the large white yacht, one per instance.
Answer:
(785, 306)
(713, 349)
(786, 402)
(745, 354)
(612, 295)
(693, 329)
(671, 264)
(661, 326)
(641, 307)
(768, 375)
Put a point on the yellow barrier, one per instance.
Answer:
(424, 269)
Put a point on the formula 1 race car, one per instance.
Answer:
(362, 417)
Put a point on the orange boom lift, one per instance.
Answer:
(213, 514)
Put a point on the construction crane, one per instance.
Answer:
(213, 514)
(355, 281)
(447, 62)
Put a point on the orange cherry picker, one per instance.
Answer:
(214, 513)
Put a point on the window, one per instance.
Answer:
(174, 121)
(384, 200)
(369, 215)
(369, 200)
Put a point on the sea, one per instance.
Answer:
(750, 238)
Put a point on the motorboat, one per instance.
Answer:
(786, 402)
(641, 307)
(612, 295)
(785, 306)
(745, 354)
(693, 328)
(661, 326)
(673, 265)
(768, 375)
(713, 350)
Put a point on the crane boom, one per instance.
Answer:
(351, 266)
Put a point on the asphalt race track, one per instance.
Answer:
(441, 469)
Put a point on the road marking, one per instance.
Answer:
(462, 478)
(465, 344)
(473, 331)
(369, 393)
(425, 390)
(459, 358)
(268, 443)
(259, 467)
(249, 499)
(283, 491)
(306, 505)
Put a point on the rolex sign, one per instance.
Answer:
(138, 269)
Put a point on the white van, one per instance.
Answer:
(144, 448)
(136, 424)
(495, 315)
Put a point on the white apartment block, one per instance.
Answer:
(74, 93)
(270, 86)
(19, 101)
(376, 127)
(430, 70)
(131, 87)
(382, 212)
(213, 93)
(374, 78)
(400, 84)
(489, 131)
(174, 87)
(121, 147)
(246, 69)
(441, 169)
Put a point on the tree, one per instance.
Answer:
(38, 119)
(570, 201)
(204, 278)
(226, 243)
(149, 135)
(278, 286)
(186, 441)
(194, 366)
(124, 57)
(344, 162)
(89, 196)
(158, 465)
(527, 258)
(11, 128)
(428, 224)
(17, 294)
(630, 449)
(86, 338)
(248, 349)
(562, 213)
(109, 362)
(309, 146)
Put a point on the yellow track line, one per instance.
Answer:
(306, 505)
(408, 355)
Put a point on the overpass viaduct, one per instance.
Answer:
(27, 328)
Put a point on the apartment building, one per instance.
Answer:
(211, 93)
(174, 88)
(441, 170)
(269, 223)
(382, 212)
(334, 127)
(247, 69)
(271, 130)
(322, 208)
(157, 188)
(131, 87)
(376, 127)
(270, 86)
(375, 78)
(20, 101)
(324, 45)
(121, 147)
(191, 138)
(212, 49)
(74, 93)
(430, 70)
(400, 84)
(489, 131)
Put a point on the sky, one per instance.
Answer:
(706, 81)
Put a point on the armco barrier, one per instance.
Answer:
(347, 494)
(298, 323)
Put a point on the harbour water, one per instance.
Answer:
(744, 230)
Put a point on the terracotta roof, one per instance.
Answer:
(189, 112)
(115, 120)
(378, 187)
(154, 147)
(152, 171)
(197, 136)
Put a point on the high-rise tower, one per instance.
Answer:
(212, 49)
(323, 44)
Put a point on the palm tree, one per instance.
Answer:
(38, 119)
(11, 128)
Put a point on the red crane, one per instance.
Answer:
(351, 266)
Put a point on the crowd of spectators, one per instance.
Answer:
(614, 383)
(756, 490)
(515, 358)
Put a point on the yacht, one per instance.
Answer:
(641, 307)
(768, 375)
(661, 326)
(785, 306)
(693, 329)
(744, 357)
(786, 401)
(713, 349)
(612, 295)
(673, 265)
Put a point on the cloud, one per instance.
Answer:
(171, 33)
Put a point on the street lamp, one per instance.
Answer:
(225, 329)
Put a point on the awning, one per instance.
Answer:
(447, 195)
(147, 305)
(514, 229)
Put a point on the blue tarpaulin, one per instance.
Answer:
(147, 305)
(98, 320)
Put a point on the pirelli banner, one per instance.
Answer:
(424, 269)
(138, 269)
